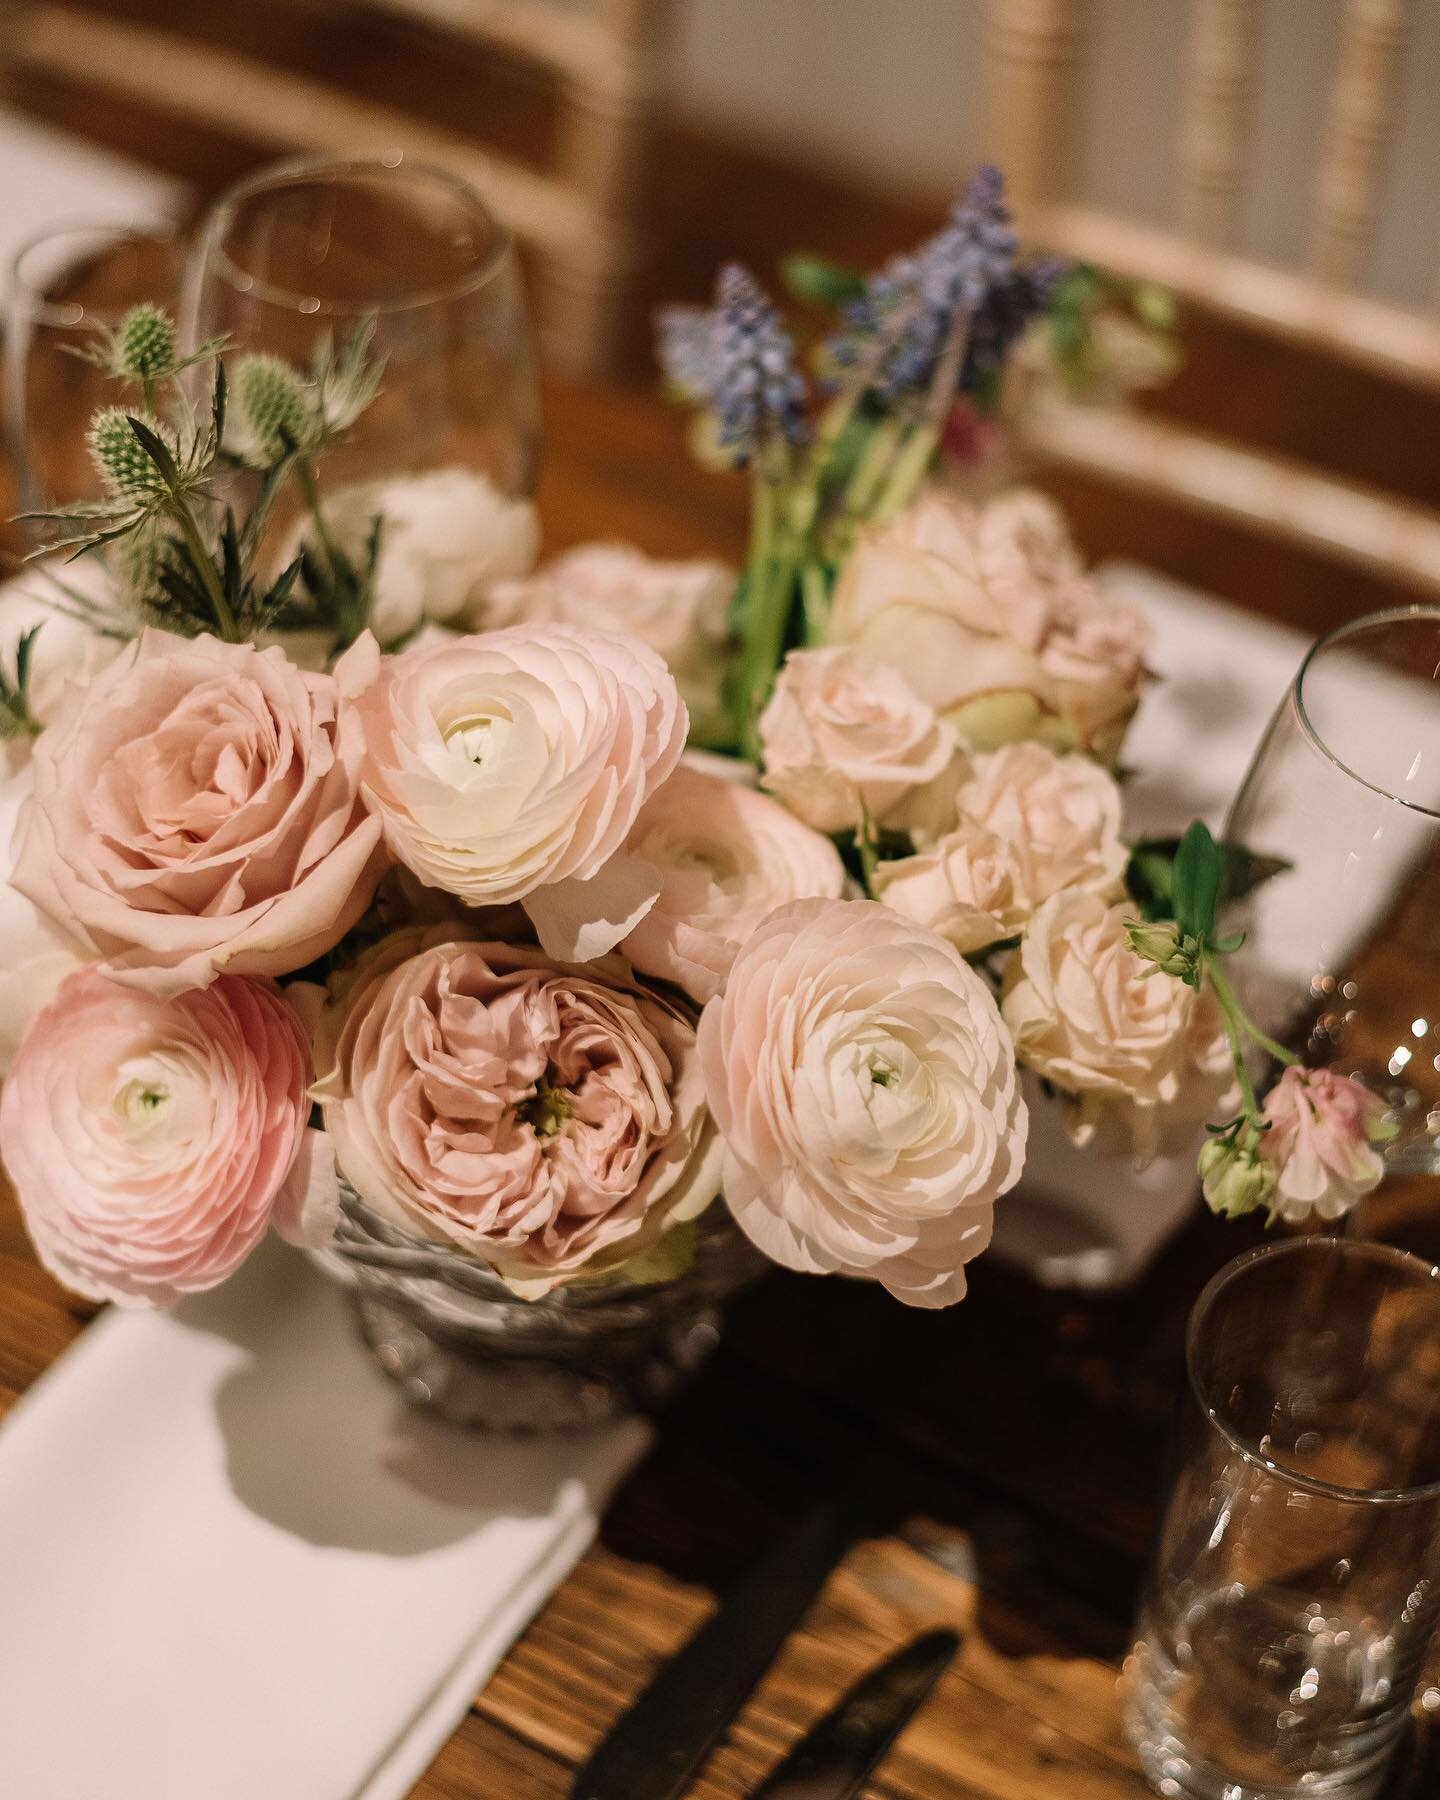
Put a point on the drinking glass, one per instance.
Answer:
(1294, 1582)
(312, 249)
(66, 283)
(1341, 960)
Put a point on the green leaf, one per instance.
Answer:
(819, 281)
(22, 658)
(1150, 875)
(156, 449)
(1196, 881)
(217, 403)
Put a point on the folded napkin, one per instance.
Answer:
(234, 1565)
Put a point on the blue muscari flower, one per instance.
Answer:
(738, 359)
(968, 266)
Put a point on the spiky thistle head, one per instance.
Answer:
(127, 469)
(143, 346)
(276, 407)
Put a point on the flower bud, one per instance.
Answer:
(1234, 1178)
(1162, 945)
(124, 464)
(144, 345)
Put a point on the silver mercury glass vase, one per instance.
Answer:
(457, 1340)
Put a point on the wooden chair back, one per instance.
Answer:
(1033, 55)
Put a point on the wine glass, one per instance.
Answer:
(1342, 960)
(311, 250)
(65, 284)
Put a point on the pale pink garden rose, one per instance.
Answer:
(547, 1120)
(865, 1085)
(678, 608)
(511, 766)
(153, 1142)
(1059, 814)
(1031, 823)
(727, 856)
(970, 888)
(1134, 1051)
(201, 813)
(844, 737)
(1322, 1143)
(988, 614)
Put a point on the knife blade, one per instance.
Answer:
(665, 1736)
(835, 1756)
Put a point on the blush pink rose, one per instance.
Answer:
(843, 736)
(865, 1085)
(153, 1141)
(1322, 1144)
(1059, 814)
(547, 1120)
(726, 856)
(1137, 1054)
(971, 888)
(511, 767)
(990, 617)
(201, 812)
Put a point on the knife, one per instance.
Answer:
(658, 1745)
(834, 1757)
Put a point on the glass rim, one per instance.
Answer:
(294, 171)
(1251, 1452)
(1390, 615)
(155, 228)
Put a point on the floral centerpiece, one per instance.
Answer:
(355, 866)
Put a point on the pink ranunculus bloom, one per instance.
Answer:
(200, 812)
(1322, 1143)
(153, 1141)
(727, 856)
(511, 767)
(547, 1120)
(865, 1085)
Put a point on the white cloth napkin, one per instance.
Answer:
(234, 1565)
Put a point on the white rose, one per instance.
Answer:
(48, 599)
(988, 614)
(677, 608)
(1131, 1048)
(35, 953)
(512, 765)
(447, 536)
(844, 736)
(864, 1083)
(727, 856)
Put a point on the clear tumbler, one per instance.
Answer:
(1294, 1584)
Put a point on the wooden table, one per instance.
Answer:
(1008, 1448)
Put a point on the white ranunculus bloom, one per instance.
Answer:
(510, 766)
(865, 1085)
(448, 534)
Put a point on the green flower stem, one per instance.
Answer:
(205, 568)
(1238, 1027)
(816, 600)
(328, 546)
(910, 466)
(865, 848)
